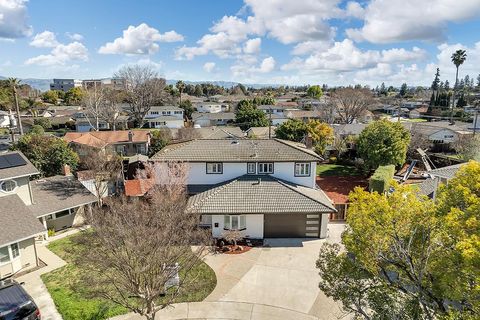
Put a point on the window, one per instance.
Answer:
(141, 148)
(214, 168)
(178, 112)
(4, 255)
(15, 250)
(234, 222)
(265, 167)
(251, 168)
(8, 185)
(154, 112)
(62, 214)
(302, 169)
(120, 149)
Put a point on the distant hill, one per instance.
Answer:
(44, 84)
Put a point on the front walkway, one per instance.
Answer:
(35, 286)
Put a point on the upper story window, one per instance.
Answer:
(214, 168)
(265, 167)
(8, 185)
(302, 169)
(251, 168)
(154, 112)
(178, 112)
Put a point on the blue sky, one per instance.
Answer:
(251, 41)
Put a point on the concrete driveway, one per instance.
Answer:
(281, 275)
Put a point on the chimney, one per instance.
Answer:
(308, 141)
(130, 136)
(66, 170)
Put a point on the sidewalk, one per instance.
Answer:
(223, 310)
(35, 286)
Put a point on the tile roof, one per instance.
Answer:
(241, 150)
(17, 221)
(260, 194)
(295, 114)
(19, 171)
(100, 139)
(349, 129)
(138, 187)
(58, 193)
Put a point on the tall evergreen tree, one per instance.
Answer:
(458, 58)
(435, 85)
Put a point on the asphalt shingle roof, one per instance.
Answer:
(19, 171)
(16, 220)
(58, 193)
(242, 150)
(251, 194)
(445, 172)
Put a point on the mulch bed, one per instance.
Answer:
(240, 249)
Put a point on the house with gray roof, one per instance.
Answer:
(31, 207)
(436, 177)
(212, 119)
(265, 188)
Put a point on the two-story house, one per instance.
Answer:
(30, 208)
(164, 117)
(265, 188)
(277, 113)
(125, 143)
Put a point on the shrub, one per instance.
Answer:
(333, 159)
(381, 178)
(51, 232)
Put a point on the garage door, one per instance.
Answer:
(291, 225)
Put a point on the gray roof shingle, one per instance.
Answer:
(446, 172)
(19, 171)
(242, 150)
(250, 194)
(16, 221)
(58, 193)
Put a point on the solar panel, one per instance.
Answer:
(11, 160)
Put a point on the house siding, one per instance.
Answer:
(22, 190)
(28, 258)
(254, 226)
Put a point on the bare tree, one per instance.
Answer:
(140, 252)
(111, 110)
(103, 168)
(233, 236)
(187, 134)
(93, 101)
(350, 103)
(143, 90)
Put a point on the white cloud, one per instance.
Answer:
(61, 54)
(307, 47)
(13, 19)
(252, 46)
(354, 9)
(403, 20)
(209, 66)
(74, 36)
(245, 67)
(141, 39)
(345, 56)
(267, 65)
(45, 39)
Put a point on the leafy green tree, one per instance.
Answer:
(45, 123)
(74, 96)
(418, 258)
(403, 90)
(50, 96)
(382, 143)
(37, 129)
(315, 92)
(160, 139)
(187, 107)
(292, 130)
(180, 85)
(248, 116)
(47, 153)
(322, 135)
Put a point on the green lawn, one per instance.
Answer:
(326, 170)
(71, 298)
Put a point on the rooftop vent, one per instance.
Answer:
(235, 142)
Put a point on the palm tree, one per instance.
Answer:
(458, 58)
(180, 86)
(13, 83)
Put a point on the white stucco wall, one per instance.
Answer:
(254, 226)
(171, 124)
(22, 190)
(324, 225)
(209, 108)
(282, 170)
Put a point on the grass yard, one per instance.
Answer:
(71, 298)
(328, 170)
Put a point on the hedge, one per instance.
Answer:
(381, 178)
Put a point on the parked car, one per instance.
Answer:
(16, 303)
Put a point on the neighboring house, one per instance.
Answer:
(436, 177)
(441, 132)
(209, 108)
(164, 117)
(265, 188)
(4, 119)
(30, 208)
(303, 115)
(261, 132)
(84, 122)
(414, 114)
(212, 119)
(37, 113)
(125, 143)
